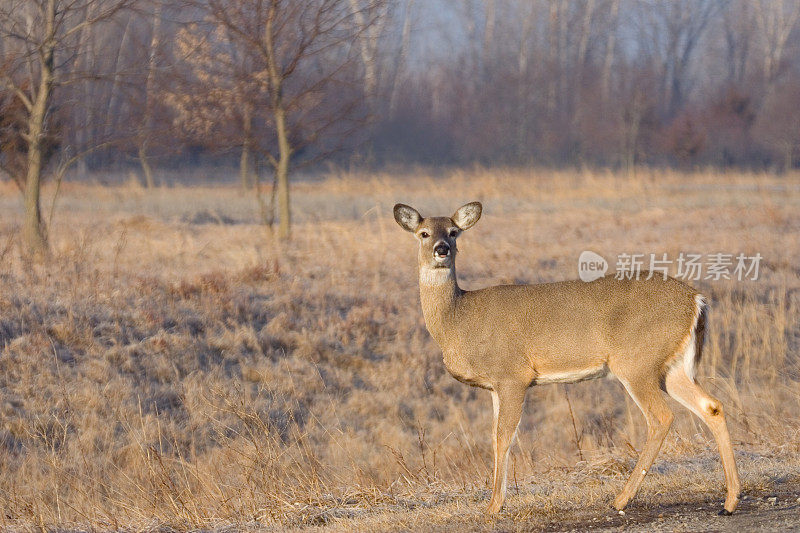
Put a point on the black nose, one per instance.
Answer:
(441, 249)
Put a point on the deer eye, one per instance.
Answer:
(453, 232)
(424, 234)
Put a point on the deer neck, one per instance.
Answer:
(439, 293)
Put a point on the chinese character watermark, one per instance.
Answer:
(688, 266)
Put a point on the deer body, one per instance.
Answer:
(648, 333)
(556, 332)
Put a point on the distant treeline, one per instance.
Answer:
(513, 82)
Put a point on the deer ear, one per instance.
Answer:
(467, 215)
(408, 217)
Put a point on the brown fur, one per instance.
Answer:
(509, 337)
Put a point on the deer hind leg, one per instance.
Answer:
(507, 401)
(686, 391)
(647, 395)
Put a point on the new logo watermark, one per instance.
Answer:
(688, 266)
(591, 266)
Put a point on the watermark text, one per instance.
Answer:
(687, 266)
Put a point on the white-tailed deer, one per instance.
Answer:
(646, 332)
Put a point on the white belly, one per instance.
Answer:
(571, 376)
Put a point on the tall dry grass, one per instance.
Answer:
(174, 365)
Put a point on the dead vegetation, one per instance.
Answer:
(174, 365)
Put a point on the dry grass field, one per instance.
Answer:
(175, 366)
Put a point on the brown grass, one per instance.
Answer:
(176, 366)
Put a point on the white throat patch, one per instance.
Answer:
(434, 276)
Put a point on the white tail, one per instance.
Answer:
(694, 344)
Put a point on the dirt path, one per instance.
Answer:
(771, 506)
(778, 512)
(775, 510)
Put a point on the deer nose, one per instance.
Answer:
(442, 249)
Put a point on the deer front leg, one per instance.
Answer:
(507, 400)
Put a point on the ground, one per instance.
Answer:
(770, 504)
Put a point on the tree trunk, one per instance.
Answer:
(33, 230)
(276, 79)
(149, 87)
(608, 59)
(149, 181)
(368, 52)
(112, 111)
(488, 35)
(580, 65)
(401, 58)
(522, 86)
(245, 174)
(266, 210)
(86, 42)
(631, 136)
(244, 167)
(282, 175)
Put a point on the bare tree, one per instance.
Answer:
(370, 19)
(217, 90)
(778, 124)
(608, 56)
(41, 38)
(149, 94)
(402, 56)
(300, 50)
(675, 29)
(527, 16)
(555, 47)
(738, 30)
(775, 20)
